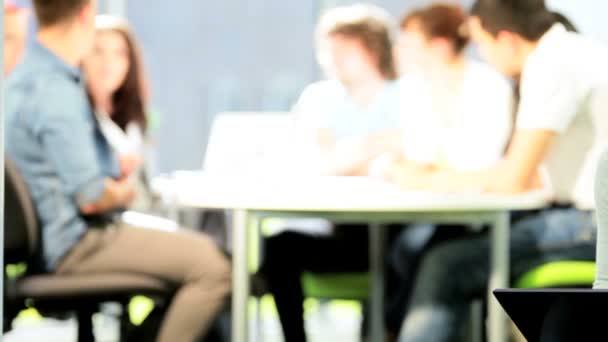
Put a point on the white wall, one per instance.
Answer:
(588, 15)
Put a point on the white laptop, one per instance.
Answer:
(257, 143)
(249, 142)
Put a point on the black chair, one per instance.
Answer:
(53, 294)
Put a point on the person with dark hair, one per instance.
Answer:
(117, 88)
(561, 129)
(77, 186)
(445, 118)
(565, 21)
(344, 123)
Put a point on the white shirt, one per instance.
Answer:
(327, 105)
(130, 141)
(474, 135)
(564, 89)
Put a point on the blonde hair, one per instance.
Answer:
(372, 25)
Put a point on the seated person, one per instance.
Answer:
(15, 34)
(116, 86)
(347, 122)
(76, 183)
(560, 131)
(445, 119)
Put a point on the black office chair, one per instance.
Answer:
(59, 294)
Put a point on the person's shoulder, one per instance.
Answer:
(484, 72)
(322, 91)
(33, 76)
(324, 87)
(36, 88)
(567, 51)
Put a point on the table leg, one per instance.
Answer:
(240, 275)
(499, 277)
(376, 264)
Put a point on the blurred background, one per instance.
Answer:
(206, 57)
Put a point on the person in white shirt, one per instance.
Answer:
(560, 129)
(117, 88)
(444, 121)
(445, 118)
(344, 124)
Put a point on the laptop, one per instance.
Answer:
(246, 142)
(557, 315)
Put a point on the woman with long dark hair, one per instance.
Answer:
(118, 92)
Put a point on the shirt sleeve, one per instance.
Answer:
(550, 99)
(66, 131)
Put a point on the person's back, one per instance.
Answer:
(576, 101)
(44, 99)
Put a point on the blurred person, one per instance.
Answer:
(445, 120)
(560, 131)
(77, 185)
(345, 122)
(116, 85)
(445, 116)
(15, 34)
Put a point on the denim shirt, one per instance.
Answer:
(55, 142)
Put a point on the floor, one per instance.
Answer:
(335, 321)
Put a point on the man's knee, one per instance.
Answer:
(210, 267)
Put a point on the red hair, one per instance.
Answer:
(441, 21)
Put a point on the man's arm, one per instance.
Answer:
(515, 174)
(116, 194)
(352, 157)
(66, 131)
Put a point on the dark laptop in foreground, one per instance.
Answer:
(557, 315)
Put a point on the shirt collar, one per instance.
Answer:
(55, 61)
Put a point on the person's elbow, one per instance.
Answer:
(510, 183)
(88, 195)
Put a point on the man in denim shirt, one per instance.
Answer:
(72, 174)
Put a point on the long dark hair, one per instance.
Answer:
(130, 99)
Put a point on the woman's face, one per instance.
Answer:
(414, 49)
(107, 65)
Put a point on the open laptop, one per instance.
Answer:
(245, 142)
(557, 315)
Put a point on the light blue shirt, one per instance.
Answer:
(54, 140)
(328, 105)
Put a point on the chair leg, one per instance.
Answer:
(477, 319)
(85, 325)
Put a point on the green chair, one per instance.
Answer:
(558, 274)
(347, 286)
